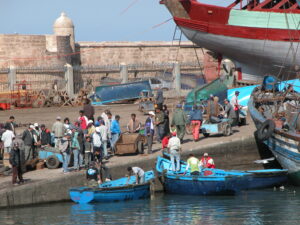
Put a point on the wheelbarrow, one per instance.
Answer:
(223, 127)
(130, 143)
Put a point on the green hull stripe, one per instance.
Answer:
(274, 20)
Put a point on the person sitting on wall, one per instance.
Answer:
(207, 162)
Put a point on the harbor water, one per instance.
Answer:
(267, 206)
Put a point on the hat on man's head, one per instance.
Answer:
(31, 126)
(58, 118)
(35, 124)
(90, 121)
(152, 113)
(98, 129)
(205, 154)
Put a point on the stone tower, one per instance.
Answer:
(63, 26)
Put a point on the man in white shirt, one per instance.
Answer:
(103, 131)
(97, 142)
(139, 174)
(174, 147)
(236, 105)
(7, 138)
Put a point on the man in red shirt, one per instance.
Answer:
(83, 120)
(207, 162)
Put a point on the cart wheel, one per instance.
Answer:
(206, 134)
(52, 162)
(227, 130)
(140, 147)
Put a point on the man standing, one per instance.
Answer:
(115, 131)
(230, 113)
(88, 110)
(78, 157)
(103, 133)
(160, 123)
(179, 120)
(149, 130)
(58, 129)
(139, 174)
(45, 136)
(27, 137)
(194, 164)
(196, 121)
(134, 124)
(159, 99)
(97, 142)
(207, 162)
(11, 124)
(83, 120)
(65, 149)
(7, 138)
(174, 147)
(16, 163)
(236, 105)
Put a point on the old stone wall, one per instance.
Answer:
(107, 53)
(34, 50)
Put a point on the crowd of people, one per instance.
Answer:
(90, 139)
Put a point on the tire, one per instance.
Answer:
(206, 134)
(52, 162)
(266, 130)
(140, 147)
(227, 130)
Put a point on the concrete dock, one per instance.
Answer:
(237, 151)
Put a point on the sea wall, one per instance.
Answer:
(233, 154)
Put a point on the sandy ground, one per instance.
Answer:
(48, 115)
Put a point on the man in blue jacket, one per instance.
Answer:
(196, 121)
(149, 130)
(115, 131)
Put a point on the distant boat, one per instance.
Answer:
(116, 190)
(221, 182)
(258, 36)
(269, 105)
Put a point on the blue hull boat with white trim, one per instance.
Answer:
(116, 190)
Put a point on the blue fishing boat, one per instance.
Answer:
(234, 180)
(274, 108)
(116, 190)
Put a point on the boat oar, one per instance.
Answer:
(152, 190)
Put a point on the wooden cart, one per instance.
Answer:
(130, 143)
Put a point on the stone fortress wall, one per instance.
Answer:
(42, 59)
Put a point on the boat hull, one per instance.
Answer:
(86, 195)
(195, 185)
(217, 181)
(284, 149)
(266, 56)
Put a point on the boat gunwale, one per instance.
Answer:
(98, 189)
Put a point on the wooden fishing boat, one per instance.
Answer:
(255, 35)
(116, 190)
(240, 180)
(275, 112)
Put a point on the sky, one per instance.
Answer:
(94, 20)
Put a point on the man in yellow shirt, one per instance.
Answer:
(194, 164)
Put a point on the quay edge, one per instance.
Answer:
(237, 153)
